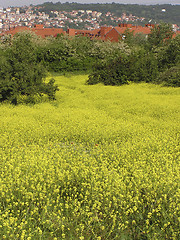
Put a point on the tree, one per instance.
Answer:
(21, 75)
(170, 77)
(139, 66)
(160, 35)
(169, 55)
(115, 72)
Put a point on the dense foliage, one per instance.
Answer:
(136, 67)
(25, 59)
(22, 76)
(64, 54)
(155, 59)
(170, 77)
(100, 163)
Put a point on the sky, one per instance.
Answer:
(14, 3)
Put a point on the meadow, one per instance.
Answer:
(100, 162)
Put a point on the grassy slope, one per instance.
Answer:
(99, 163)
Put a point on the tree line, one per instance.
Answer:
(26, 59)
(155, 59)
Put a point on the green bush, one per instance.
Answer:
(79, 53)
(143, 66)
(20, 72)
(168, 55)
(160, 35)
(139, 66)
(111, 73)
(63, 54)
(170, 77)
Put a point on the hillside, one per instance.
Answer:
(154, 13)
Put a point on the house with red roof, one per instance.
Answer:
(117, 33)
(113, 34)
(105, 33)
(38, 29)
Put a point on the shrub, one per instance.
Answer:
(143, 66)
(111, 73)
(20, 72)
(170, 77)
(139, 66)
(169, 55)
(63, 54)
(160, 35)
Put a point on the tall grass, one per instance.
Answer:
(100, 162)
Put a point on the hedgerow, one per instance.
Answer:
(149, 60)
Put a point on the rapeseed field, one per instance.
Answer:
(100, 162)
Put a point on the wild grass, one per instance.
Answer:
(100, 162)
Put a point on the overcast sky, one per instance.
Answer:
(7, 3)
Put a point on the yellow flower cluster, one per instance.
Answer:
(99, 163)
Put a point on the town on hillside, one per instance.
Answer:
(95, 23)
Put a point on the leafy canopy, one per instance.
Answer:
(22, 76)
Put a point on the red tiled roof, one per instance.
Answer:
(46, 32)
(134, 29)
(104, 33)
(38, 30)
(15, 30)
(89, 33)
